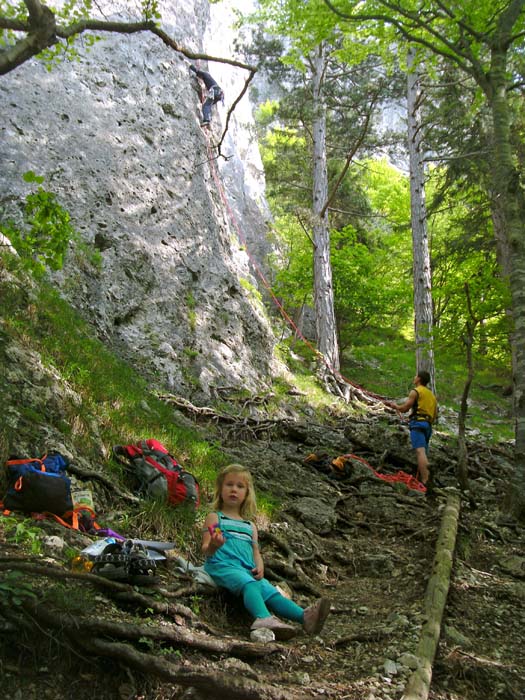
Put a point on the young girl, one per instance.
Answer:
(233, 560)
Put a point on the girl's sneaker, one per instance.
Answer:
(281, 630)
(315, 615)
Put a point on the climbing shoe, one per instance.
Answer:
(125, 561)
(315, 615)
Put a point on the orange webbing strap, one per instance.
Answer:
(73, 515)
(40, 461)
(11, 462)
(25, 461)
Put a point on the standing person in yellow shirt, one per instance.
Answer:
(422, 405)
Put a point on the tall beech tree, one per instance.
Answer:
(422, 273)
(485, 40)
(316, 55)
(328, 344)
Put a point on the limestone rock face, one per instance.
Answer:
(179, 233)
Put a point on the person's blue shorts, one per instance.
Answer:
(420, 433)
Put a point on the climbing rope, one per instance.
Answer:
(286, 316)
(399, 477)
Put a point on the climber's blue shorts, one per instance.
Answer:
(420, 433)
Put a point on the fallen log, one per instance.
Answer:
(418, 686)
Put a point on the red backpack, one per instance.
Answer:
(158, 473)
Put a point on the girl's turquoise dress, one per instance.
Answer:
(231, 565)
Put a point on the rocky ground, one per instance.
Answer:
(366, 543)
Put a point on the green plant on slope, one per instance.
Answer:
(14, 590)
(43, 239)
(22, 532)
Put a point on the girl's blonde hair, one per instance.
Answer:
(248, 507)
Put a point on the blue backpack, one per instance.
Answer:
(39, 485)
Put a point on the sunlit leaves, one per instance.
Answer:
(43, 238)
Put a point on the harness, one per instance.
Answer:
(215, 93)
(423, 417)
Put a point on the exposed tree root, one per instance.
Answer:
(124, 591)
(295, 578)
(220, 686)
(90, 475)
(172, 634)
(92, 634)
(486, 673)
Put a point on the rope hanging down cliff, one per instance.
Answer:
(354, 390)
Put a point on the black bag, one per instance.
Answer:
(39, 485)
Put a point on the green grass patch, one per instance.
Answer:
(124, 403)
(384, 363)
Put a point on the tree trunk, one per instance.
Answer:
(323, 288)
(470, 332)
(507, 190)
(418, 685)
(423, 316)
(461, 469)
(503, 255)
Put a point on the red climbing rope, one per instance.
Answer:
(399, 477)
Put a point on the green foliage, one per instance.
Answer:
(254, 293)
(467, 282)
(195, 604)
(14, 590)
(371, 265)
(150, 10)
(69, 15)
(148, 643)
(22, 532)
(382, 361)
(192, 319)
(293, 262)
(286, 161)
(43, 239)
(192, 314)
(161, 521)
(369, 287)
(53, 56)
(87, 255)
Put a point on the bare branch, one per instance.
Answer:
(235, 103)
(42, 32)
(96, 25)
(203, 56)
(349, 159)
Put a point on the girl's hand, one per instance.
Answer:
(258, 573)
(216, 541)
(212, 537)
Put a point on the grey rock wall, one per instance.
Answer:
(117, 137)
